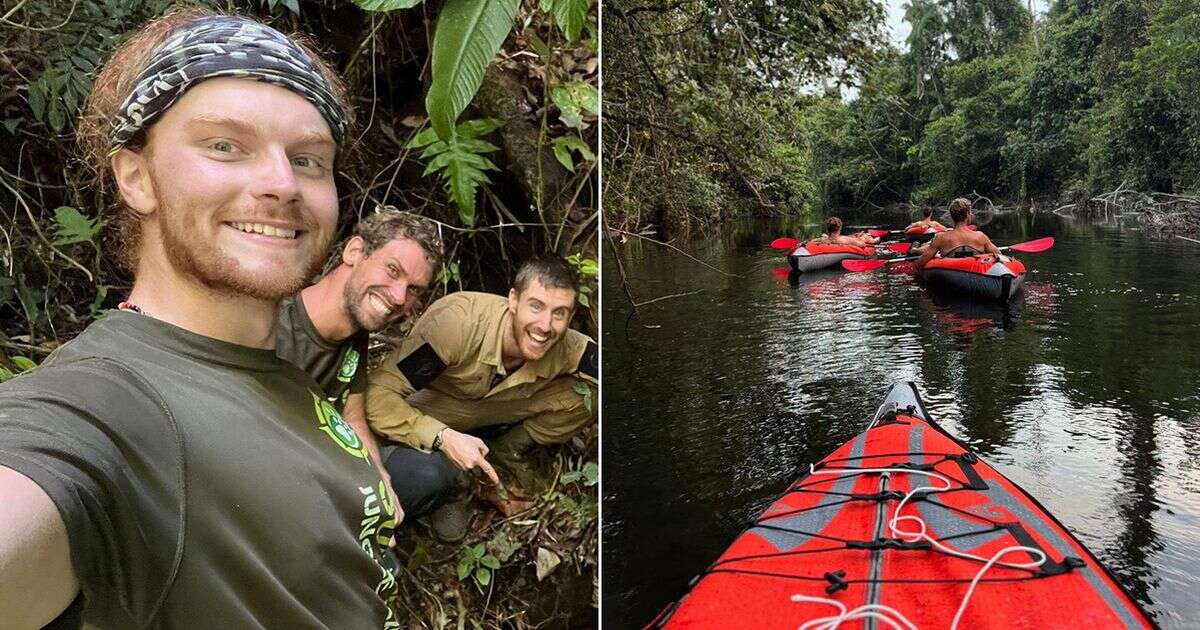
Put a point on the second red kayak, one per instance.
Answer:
(812, 255)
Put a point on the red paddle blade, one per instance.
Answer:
(869, 264)
(878, 233)
(1033, 247)
(973, 228)
(900, 248)
(781, 273)
(784, 243)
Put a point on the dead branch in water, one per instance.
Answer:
(1164, 213)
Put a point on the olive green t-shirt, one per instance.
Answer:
(203, 484)
(339, 368)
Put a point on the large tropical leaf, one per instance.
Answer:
(469, 32)
(386, 5)
(569, 15)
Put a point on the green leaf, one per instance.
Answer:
(386, 5)
(469, 32)
(101, 293)
(483, 576)
(539, 46)
(569, 15)
(56, 116)
(584, 95)
(11, 125)
(459, 161)
(571, 476)
(577, 143)
(73, 227)
(563, 154)
(583, 299)
(581, 387)
(564, 145)
(572, 99)
(71, 99)
(490, 561)
(568, 111)
(24, 364)
(591, 473)
(478, 551)
(30, 298)
(478, 127)
(5, 374)
(82, 63)
(37, 99)
(292, 6)
(425, 138)
(464, 568)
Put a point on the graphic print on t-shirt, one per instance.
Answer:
(349, 366)
(331, 422)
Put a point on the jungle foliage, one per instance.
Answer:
(982, 98)
(480, 114)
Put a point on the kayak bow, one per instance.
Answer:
(905, 527)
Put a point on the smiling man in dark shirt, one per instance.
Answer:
(165, 468)
(386, 269)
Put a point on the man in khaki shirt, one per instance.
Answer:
(474, 360)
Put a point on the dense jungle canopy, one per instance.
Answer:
(715, 110)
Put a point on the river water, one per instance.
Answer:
(1085, 393)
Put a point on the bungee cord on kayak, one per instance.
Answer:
(869, 610)
(868, 530)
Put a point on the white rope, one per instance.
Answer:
(878, 611)
(887, 614)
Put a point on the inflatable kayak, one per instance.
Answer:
(904, 527)
(921, 233)
(812, 256)
(979, 276)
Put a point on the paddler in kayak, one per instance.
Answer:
(958, 240)
(926, 221)
(833, 235)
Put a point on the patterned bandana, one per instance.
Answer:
(223, 46)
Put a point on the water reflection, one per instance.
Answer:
(1084, 392)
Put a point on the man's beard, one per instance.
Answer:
(221, 272)
(352, 299)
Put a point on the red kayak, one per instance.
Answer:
(812, 256)
(921, 233)
(980, 276)
(903, 527)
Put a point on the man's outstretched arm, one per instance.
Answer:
(35, 557)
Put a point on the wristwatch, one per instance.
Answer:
(437, 440)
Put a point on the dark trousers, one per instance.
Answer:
(421, 480)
